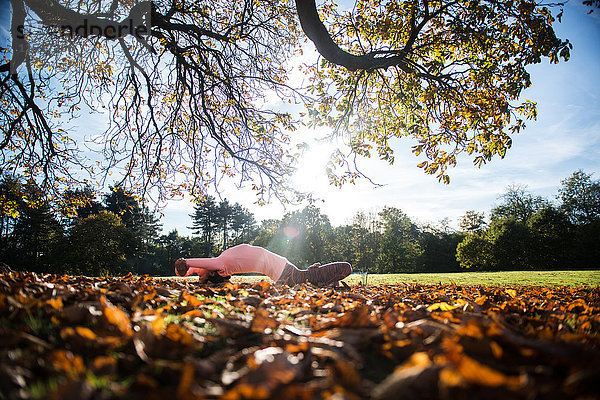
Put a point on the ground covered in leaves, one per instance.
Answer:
(137, 337)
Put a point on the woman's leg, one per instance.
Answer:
(324, 275)
(291, 275)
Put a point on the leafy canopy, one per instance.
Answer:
(195, 96)
(446, 73)
(185, 102)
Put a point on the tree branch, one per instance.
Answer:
(316, 31)
(54, 14)
(20, 47)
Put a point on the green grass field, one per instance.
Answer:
(540, 278)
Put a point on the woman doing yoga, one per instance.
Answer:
(245, 258)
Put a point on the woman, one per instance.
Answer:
(246, 258)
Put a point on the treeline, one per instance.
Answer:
(383, 242)
(530, 232)
(75, 233)
(82, 233)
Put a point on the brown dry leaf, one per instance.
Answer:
(496, 349)
(475, 372)
(67, 362)
(358, 317)
(179, 335)
(80, 313)
(116, 317)
(419, 359)
(270, 369)
(261, 286)
(22, 302)
(471, 328)
(450, 377)
(229, 327)
(119, 286)
(79, 336)
(480, 374)
(149, 296)
(104, 365)
(482, 301)
(344, 373)
(416, 378)
(185, 387)
(263, 321)
(579, 306)
(423, 341)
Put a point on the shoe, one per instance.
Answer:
(328, 274)
(181, 267)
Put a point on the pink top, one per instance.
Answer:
(239, 259)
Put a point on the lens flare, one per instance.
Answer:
(290, 232)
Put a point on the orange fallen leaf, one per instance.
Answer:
(55, 303)
(104, 365)
(116, 317)
(263, 321)
(184, 389)
(67, 362)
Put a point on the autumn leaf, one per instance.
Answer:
(263, 321)
(66, 361)
(441, 306)
(116, 317)
(258, 340)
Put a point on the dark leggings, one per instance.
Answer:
(320, 276)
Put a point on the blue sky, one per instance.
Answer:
(564, 138)
(4, 20)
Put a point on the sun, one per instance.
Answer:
(311, 172)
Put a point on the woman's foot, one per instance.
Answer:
(324, 275)
(328, 274)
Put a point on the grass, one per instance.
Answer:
(539, 278)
